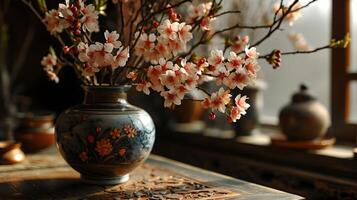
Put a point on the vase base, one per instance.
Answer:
(105, 181)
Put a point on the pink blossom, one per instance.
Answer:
(251, 52)
(145, 43)
(112, 38)
(220, 99)
(121, 58)
(239, 78)
(132, 75)
(199, 11)
(170, 97)
(101, 54)
(90, 70)
(52, 76)
(162, 48)
(235, 114)
(184, 32)
(181, 91)
(143, 86)
(252, 67)
(54, 23)
(216, 58)
(222, 75)
(241, 103)
(168, 30)
(83, 52)
(90, 19)
(234, 61)
(49, 60)
(239, 44)
(169, 79)
(206, 23)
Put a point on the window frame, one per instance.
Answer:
(341, 76)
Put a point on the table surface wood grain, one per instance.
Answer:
(44, 176)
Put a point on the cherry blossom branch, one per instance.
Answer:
(277, 22)
(304, 6)
(227, 12)
(299, 51)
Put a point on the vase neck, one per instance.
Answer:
(105, 95)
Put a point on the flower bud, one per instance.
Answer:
(211, 116)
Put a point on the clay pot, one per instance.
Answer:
(10, 153)
(190, 110)
(304, 118)
(35, 131)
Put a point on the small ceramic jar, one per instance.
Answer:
(304, 118)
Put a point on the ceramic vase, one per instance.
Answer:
(105, 138)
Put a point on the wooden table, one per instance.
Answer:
(49, 177)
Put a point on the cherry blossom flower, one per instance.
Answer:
(299, 42)
(53, 22)
(220, 99)
(101, 54)
(199, 11)
(170, 97)
(235, 114)
(132, 75)
(206, 103)
(290, 17)
(90, 19)
(90, 70)
(52, 76)
(239, 79)
(168, 30)
(49, 61)
(222, 75)
(181, 90)
(112, 38)
(121, 58)
(251, 52)
(184, 32)
(241, 103)
(234, 61)
(143, 86)
(162, 48)
(216, 58)
(239, 44)
(252, 67)
(207, 23)
(145, 43)
(83, 52)
(169, 79)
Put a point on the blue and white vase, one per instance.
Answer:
(105, 138)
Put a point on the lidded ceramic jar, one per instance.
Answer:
(304, 118)
(105, 138)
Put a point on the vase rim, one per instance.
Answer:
(118, 88)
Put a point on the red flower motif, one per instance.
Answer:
(83, 156)
(122, 152)
(115, 133)
(90, 138)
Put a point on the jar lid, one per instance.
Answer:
(302, 95)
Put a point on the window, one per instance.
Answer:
(343, 80)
